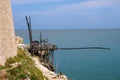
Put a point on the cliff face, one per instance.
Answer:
(7, 35)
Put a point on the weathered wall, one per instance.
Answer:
(7, 35)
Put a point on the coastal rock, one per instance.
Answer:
(19, 40)
(49, 74)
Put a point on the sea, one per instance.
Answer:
(86, 64)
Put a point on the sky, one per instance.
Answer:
(67, 14)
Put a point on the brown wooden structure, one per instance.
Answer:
(42, 48)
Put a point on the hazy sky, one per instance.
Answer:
(67, 14)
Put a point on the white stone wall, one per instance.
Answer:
(7, 35)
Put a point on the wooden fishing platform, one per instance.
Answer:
(41, 48)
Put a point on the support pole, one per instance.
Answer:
(29, 28)
(52, 57)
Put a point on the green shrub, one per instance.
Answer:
(8, 62)
(23, 70)
(2, 67)
(21, 76)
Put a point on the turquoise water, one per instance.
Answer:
(84, 64)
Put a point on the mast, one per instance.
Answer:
(29, 28)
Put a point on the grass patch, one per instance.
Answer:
(22, 67)
(2, 67)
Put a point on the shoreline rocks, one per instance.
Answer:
(49, 74)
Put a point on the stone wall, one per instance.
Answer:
(7, 35)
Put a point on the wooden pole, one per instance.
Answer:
(52, 57)
(29, 28)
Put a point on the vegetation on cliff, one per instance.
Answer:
(20, 67)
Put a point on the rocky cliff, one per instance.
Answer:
(7, 36)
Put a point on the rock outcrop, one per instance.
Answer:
(19, 40)
(49, 74)
(7, 35)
